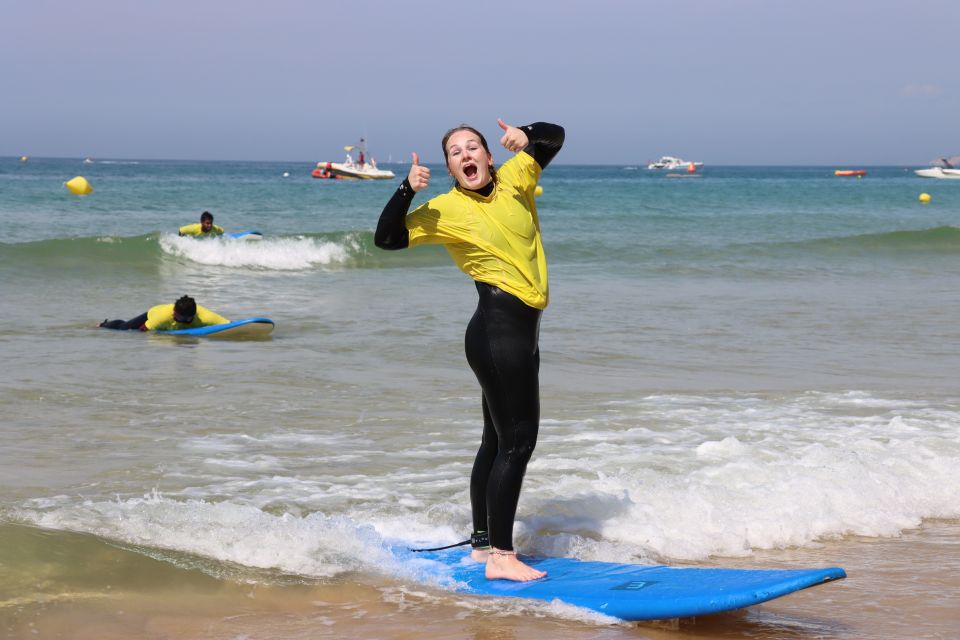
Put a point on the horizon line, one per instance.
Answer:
(405, 163)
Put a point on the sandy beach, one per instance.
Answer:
(896, 588)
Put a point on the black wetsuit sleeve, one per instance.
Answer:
(545, 140)
(392, 228)
(126, 325)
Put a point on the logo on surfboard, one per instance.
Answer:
(633, 585)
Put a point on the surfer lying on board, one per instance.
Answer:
(488, 223)
(205, 228)
(185, 313)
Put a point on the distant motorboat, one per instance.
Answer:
(943, 168)
(939, 172)
(858, 173)
(363, 169)
(670, 162)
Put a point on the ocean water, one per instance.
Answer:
(749, 364)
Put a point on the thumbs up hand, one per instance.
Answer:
(419, 176)
(513, 139)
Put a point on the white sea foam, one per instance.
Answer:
(653, 479)
(315, 545)
(505, 607)
(280, 254)
(789, 473)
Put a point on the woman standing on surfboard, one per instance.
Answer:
(488, 223)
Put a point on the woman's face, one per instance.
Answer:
(467, 160)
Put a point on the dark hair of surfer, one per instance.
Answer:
(185, 307)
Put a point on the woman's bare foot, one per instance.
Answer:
(480, 555)
(504, 565)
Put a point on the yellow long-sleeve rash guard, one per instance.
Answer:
(196, 230)
(160, 318)
(493, 239)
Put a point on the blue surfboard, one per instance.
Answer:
(247, 328)
(630, 591)
(246, 235)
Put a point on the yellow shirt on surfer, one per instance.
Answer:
(164, 317)
(493, 239)
(204, 228)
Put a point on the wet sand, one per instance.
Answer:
(908, 587)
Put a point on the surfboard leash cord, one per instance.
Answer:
(449, 546)
(479, 540)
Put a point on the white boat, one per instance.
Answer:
(364, 169)
(942, 168)
(939, 172)
(669, 162)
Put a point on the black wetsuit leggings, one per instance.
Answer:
(502, 349)
(125, 325)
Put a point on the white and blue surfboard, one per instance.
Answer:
(629, 591)
(246, 235)
(247, 328)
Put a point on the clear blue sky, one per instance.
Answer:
(725, 82)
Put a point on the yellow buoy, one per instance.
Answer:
(538, 191)
(924, 198)
(79, 186)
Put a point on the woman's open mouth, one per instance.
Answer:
(470, 171)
